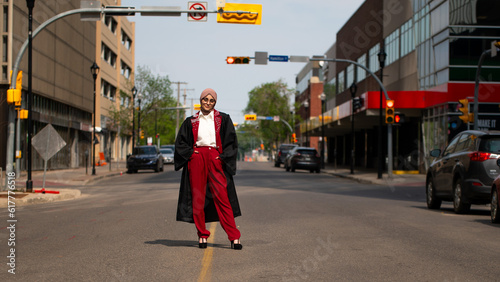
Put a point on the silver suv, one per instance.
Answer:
(464, 172)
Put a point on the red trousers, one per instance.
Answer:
(205, 167)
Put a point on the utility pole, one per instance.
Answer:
(178, 99)
(185, 100)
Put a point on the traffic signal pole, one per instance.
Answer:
(389, 126)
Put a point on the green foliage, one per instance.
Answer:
(155, 94)
(271, 99)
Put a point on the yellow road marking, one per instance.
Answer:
(206, 262)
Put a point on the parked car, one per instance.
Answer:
(495, 202)
(170, 146)
(281, 154)
(464, 171)
(145, 157)
(303, 158)
(168, 155)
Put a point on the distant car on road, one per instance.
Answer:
(303, 158)
(170, 146)
(145, 157)
(464, 171)
(168, 155)
(281, 154)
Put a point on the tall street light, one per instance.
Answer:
(139, 115)
(134, 92)
(323, 98)
(95, 71)
(306, 106)
(381, 59)
(31, 5)
(353, 90)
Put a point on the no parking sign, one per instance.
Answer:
(197, 6)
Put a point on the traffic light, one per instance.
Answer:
(399, 118)
(357, 103)
(157, 135)
(464, 108)
(197, 107)
(294, 138)
(237, 60)
(142, 134)
(389, 111)
(262, 146)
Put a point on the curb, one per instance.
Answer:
(39, 198)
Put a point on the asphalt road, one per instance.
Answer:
(295, 227)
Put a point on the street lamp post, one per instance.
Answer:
(139, 115)
(134, 92)
(94, 69)
(31, 5)
(306, 106)
(323, 98)
(353, 90)
(381, 59)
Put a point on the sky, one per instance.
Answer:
(195, 52)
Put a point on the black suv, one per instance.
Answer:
(464, 172)
(145, 157)
(281, 154)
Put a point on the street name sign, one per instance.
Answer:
(278, 58)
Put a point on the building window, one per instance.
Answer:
(126, 41)
(329, 88)
(5, 52)
(125, 70)
(373, 63)
(108, 90)
(304, 82)
(341, 82)
(108, 55)
(361, 72)
(422, 25)
(350, 75)
(111, 23)
(407, 39)
(392, 47)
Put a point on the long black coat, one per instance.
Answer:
(184, 148)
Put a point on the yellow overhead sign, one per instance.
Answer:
(250, 117)
(241, 18)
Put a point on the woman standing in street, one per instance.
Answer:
(206, 148)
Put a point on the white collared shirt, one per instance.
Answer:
(206, 130)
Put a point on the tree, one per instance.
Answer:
(156, 94)
(271, 99)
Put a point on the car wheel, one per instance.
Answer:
(134, 171)
(495, 212)
(130, 171)
(318, 170)
(458, 205)
(433, 203)
(287, 168)
(162, 166)
(311, 171)
(157, 169)
(276, 164)
(292, 169)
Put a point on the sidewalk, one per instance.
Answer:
(64, 181)
(370, 176)
(67, 181)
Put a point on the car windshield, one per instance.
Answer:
(307, 152)
(286, 148)
(166, 151)
(145, 151)
(490, 145)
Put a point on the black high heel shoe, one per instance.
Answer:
(236, 246)
(203, 243)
